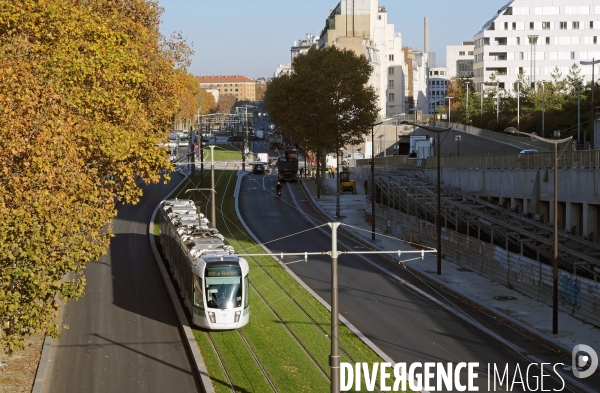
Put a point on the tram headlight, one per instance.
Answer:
(211, 315)
(237, 316)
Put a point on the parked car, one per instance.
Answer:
(528, 152)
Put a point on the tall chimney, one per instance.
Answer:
(426, 48)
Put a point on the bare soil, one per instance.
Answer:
(19, 373)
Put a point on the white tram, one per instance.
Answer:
(213, 282)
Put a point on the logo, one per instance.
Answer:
(583, 356)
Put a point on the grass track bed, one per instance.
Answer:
(288, 366)
(286, 362)
(243, 370)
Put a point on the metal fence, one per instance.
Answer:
(580, 297)
(567, 159)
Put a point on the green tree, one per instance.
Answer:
(87, 90)
(326, 101)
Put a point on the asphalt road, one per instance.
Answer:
(405, 325)
(122, 336)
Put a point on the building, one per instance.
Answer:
(439, 78)
(459, 60)
(244, 89)
(535, 37)
(361, 26)
(300, 47)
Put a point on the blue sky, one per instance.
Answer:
(251, 37)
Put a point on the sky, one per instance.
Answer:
(252, 37)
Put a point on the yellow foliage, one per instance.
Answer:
(87, 90)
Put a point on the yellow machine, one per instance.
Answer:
(345, 183)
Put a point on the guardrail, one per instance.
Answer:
(569, 159)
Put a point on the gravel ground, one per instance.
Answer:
(19, 373)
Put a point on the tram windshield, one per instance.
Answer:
(223, 287)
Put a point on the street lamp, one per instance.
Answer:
(592, 63)
(449, 107)
(497, 104)
(315, 116)
(512, 130)
(519, 106)
(373, 176)
(543, 106)
(481, 105)
(438, 217)
(467, 107)
(578, 112)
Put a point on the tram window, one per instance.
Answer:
(197, 292)
(247, 292)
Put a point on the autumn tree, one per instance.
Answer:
(226, 102)
(87, 90)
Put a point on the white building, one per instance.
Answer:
(459, 60)
(361, 26)
(438, 87)
(537, 36)
(301, 47)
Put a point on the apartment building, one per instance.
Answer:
(439, 78)
(243, 88)
(459, 60)
(535, 37)
(362, 26)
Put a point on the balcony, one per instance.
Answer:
(497, 56)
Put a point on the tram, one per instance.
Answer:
(213, 281)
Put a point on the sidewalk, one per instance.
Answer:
(522, 311)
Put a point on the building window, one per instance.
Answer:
(390, 70)
(470, 53)
(391, 57)
(505, 25)
(572, 55)
(514, 26)
(531, 25)
(563, 25)
(521, 56)
(379, 17)
(545, 25)
(518, 40)
(461, 53)
(575, 25)
(391, 83)
(595, 39)
(390, 96)
(591, 24)
(547, 40)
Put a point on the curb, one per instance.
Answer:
(463, 316)
(198, 365)
(40, 374)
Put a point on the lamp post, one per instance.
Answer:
(449, 107)
(315, 116)
(481, 104)
(373, 177)
(543, 106)
(519, 106)
(578, 112)
(213, 214)
(467, 107)
(438, 216)
(497, 104)
(555, 142)
(592, 63)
